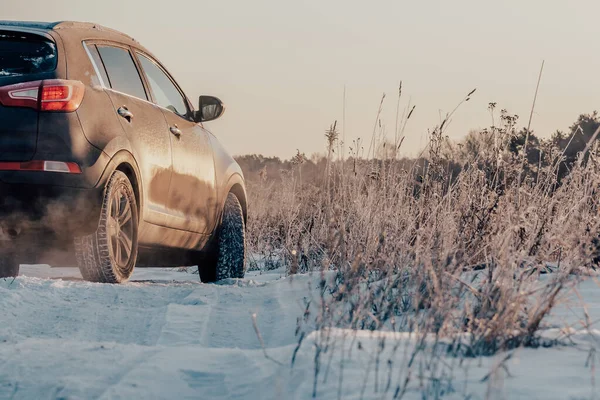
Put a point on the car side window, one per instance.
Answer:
(122, 72)
(97, 63)
(165, 92)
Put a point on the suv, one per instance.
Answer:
(105, 164)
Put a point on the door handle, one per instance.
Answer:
(175, 131)
(125, 113)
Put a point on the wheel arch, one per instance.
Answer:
(125, 162)
(129, 171)
(236, 185)
(239, 191)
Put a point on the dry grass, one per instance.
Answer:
(450, 244)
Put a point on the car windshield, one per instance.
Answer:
(23, 54)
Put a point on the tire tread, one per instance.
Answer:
(92, 251)
(227, 259)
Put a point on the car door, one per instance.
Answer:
(144, 126)
(192, 195)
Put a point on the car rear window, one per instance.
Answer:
(24, 54)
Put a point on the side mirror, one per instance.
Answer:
(209, 108)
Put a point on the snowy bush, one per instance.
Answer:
(451, 244)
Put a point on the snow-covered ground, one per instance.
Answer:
(164, 335)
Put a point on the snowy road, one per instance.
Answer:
(164, 335)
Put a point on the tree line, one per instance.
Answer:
(536, 152)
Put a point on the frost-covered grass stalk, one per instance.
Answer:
(448, 247)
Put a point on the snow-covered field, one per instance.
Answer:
(164, 335)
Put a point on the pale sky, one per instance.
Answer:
(281, 66)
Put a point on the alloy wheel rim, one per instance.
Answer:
(120, 228)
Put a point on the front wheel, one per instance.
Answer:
(109, 254)
(228, 255)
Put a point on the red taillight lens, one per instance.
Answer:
(55, 93)
(65, 96)
(50, 95)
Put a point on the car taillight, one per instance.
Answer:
(48, 166)
(55, 95)
(63, 96)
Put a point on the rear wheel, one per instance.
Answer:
(228, 254)
(9, 266)
(109, 254)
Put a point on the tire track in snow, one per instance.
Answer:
(276, 306)
(187, 318)
(151, 338)
(88, 312)
(230, 321)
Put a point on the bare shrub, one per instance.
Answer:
(451, 244)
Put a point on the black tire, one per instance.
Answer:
(109, 254)
(227, 257)
(9, 266)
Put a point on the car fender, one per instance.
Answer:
(118, 143)
(228, 178)
(125, 161)
(237, 186)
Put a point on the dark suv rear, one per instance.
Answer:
(104, 162)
